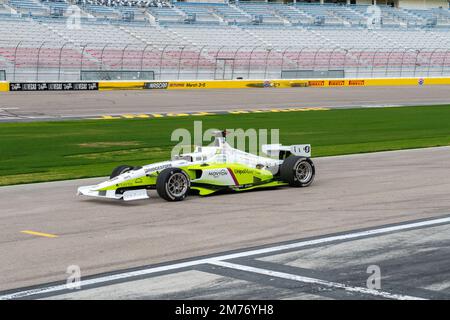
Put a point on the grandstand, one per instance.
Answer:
(245, 39)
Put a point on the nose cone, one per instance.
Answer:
(86, 190)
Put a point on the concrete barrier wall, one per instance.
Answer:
(4, 86)
(217, 84)
(242, 84)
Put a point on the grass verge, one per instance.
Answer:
(48, 151)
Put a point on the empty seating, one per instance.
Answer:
(165, 14)
(215, 36)
(202, 13)
(243, 12)
(266, 11)
(223, 37)
(29, 7)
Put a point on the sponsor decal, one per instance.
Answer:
(421, 81)
(187, 85)
(264, 84)
(336, 83)
(156, 85)
(53, 86)
(176, 85)
(299, 84)
(243, 186)
(125, 184)
(195, 84)
(243, 171)
(255, 85)
(307, 149)
(356, 82)
(218, 173)
(157, 168)
(316, 83)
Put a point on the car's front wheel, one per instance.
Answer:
(173, 184)
(119, 170)
(297, 171)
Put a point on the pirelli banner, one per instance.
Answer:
(378, 82)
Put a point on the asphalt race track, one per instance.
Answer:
(26, 106)
(388, 210)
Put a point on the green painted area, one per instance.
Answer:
(48, 151)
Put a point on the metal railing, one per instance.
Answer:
(49, 61)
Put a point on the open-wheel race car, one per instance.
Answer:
(208, 170)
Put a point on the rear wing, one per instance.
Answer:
(278, 150)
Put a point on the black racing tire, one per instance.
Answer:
(119, 170)
(297, 171)
(173, 184)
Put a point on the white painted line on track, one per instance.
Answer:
(315, 281)
(187, 264)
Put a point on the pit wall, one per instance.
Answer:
(4, 86)
(244, 84)
(217, 84)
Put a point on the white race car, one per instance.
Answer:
(208, 170)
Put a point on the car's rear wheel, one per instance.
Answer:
(173, 184)
(119, 170)
(297, 171)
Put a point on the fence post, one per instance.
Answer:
(179, 62)
(443, 63)
(15, 60)
(142, 57)
(234, 62)
(82, 58)
(415, 61)
(123, 55)
(443, 57)
(329, 58)
(161, 61)
(347, 53)
(269, 51)
(198, 61)
(431, 60)
(387, 62)
(282, 60)
(215, 62)
(101, 58)
(373, 61)
(298, 57)
(38, 61)
(250, 62)
(315, 58)
(403, 61)
(359, 61)
(60, 58)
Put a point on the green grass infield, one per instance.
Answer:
(49, 151)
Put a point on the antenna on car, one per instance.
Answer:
(220, 137)
(220, 133)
